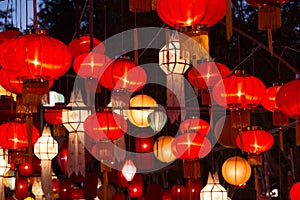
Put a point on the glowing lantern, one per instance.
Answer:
(143, 143)
(21, 189)
(10, 82)
(193, 188)
(65, 189)
(236, 170)
(294, 192)
(190, 146)
(162, 149)
(25, 169)
(82, 45)
(178, 192)
(195, 125)
(213, 190)
(46, 148)
(10, 179)
(9, 34)
(4, 167)
(62, 157)
(157, 120)
(53, 116)
(136, 187)
(255, 141)
(139, 117)
(55, 185)
(166, 195)
(129, 170)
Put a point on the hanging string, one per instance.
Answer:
(122, 25)
(20, 15)
(81, 16)
(16, 13)
(26, 20)
(35, 20)
(240, 63)
(91, 22)
(77, 19)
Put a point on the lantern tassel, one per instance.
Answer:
(2, 193)
(228, 20)
(297, 132)
(281, 139)
(46, 178)
(270, 41)
(76, 160)
(29, 121)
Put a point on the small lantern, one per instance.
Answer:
(143, 143)
(162, 149)
(25, 169)
(4, 167)
(46, 148)
(129, 170)
(157, 120)
(178, 192)
(213, 190)
(21, 188)
(136, 187)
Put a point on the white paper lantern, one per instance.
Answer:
(157, 120)
(213, 190)
(129, 170)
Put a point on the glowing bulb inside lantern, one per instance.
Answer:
(178, 190)
(26, 167)
(65, 190)
(134, 190)
(189, 22)
(145, 146)
(193, 190)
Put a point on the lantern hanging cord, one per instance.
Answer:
(80, 18)
(20, 14)
(35, 20)
(252, 52)
(282, 53)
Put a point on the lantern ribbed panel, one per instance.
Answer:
(10, 82)
(162, 149)
(178, 192)
(136, 187)
(21, 189)
(195, 125)
(255, 141)
(288, 99)
(269, 101)
(241, 91)
(123, 74)
(53, 116)
(36, 56)
(46, 148)
(177, 13)
(82, 45)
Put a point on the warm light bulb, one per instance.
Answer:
(178, 190)
(134, 190)
(145, 146)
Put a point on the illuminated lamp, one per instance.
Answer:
(136, 187)
(157, 120)
(213, 190)
(162, 149)
(178, 192)
(195, 125)
(129, 170)
(143, 143)
(25, 169)
(21, 188)
(82, 45)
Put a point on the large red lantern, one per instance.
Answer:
(36, 56)
(90, 65)
(195, 125)
(136, 186)
(193, 187)
(65, 189)
(207, 74)
(105, 125)
(255, 141)
(9, 34)
(25, 169)
(190, 146)
(123, 74)
(143, 143)
(82, 45)
(178, 192)
(55, 185)
(21, 189)
(294, 192)
(166, 195)
(14, 135)
(188, 13)
(10, 82)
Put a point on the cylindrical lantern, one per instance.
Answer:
(178, 192)
(46, 148)
(139, 117)
(213, 190)
(236, 170)
(162, 149)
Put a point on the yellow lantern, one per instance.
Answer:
(236, 170)
(139, 117)
(162, 149)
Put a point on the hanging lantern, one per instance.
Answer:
(213, 190)
(195, 125)
(54, 117)
(143, 143)
(10, 179)
(65, 189)
(178, 192)
(190, 146)
(166, 195)
(138, 6)
(11, 82)
(37, 190)
(4, 167)
(242, 93)
(46, 148)
(118, 196)
(129, 170)
(157, 120)
(89, 188)
(174, 61)
(294, 192)
(21, 188)
(14, 135)
(136, 187)
(82, 45)
(193, 188)
(9, 34)
(55, 185)
(255, 141)
(139, 117)
(236, 170)
(25, 169)
(287, 100)
(62, 157)
(162, 149)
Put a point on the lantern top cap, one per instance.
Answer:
(239, 72)
(278, 84)
(35, 31)
(254, 128)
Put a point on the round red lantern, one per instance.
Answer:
(82, 45)
(25, 169)
(55, 185)
(269, 101)
(288, 98)
(188, 13)
(118, 196)
(166, 195)
(241, 91)
(143, 143)
(105, 125)
(255, 141)
(15, 136)
(195, 125)
(136, 186)
(53, 116)
(76, 193)
(193, 187)
(207, 74)
(90, 65)
(294, 192)
(21, 189)
(178, 192)
(36, 56)
(122, 182)
(123, 74)
(9, 34)
(10, 82)
(190, 146)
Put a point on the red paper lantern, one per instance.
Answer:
(36, 56)
(25, 169)
(195, 125)
(123, 74)
(62, 157)
(82, 45)
(259, 3)
(190, 146)
(188, 13)
(9, 34)
(207, 74)
(166, 195)
(76, 193)
(269, 101)
(143, 143)
(10, 82)
(288, 98)
(178, 192)
(53, 116)
(55, 185)
(136, 186)
(105, 126)
(122, 182)
(195, 189)
(154, 191)
(14, 135)
(90, 65)
(241, 91)
(21, 189)
(294, 192)
(255, 141)
(65, 189)
(118, 196)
